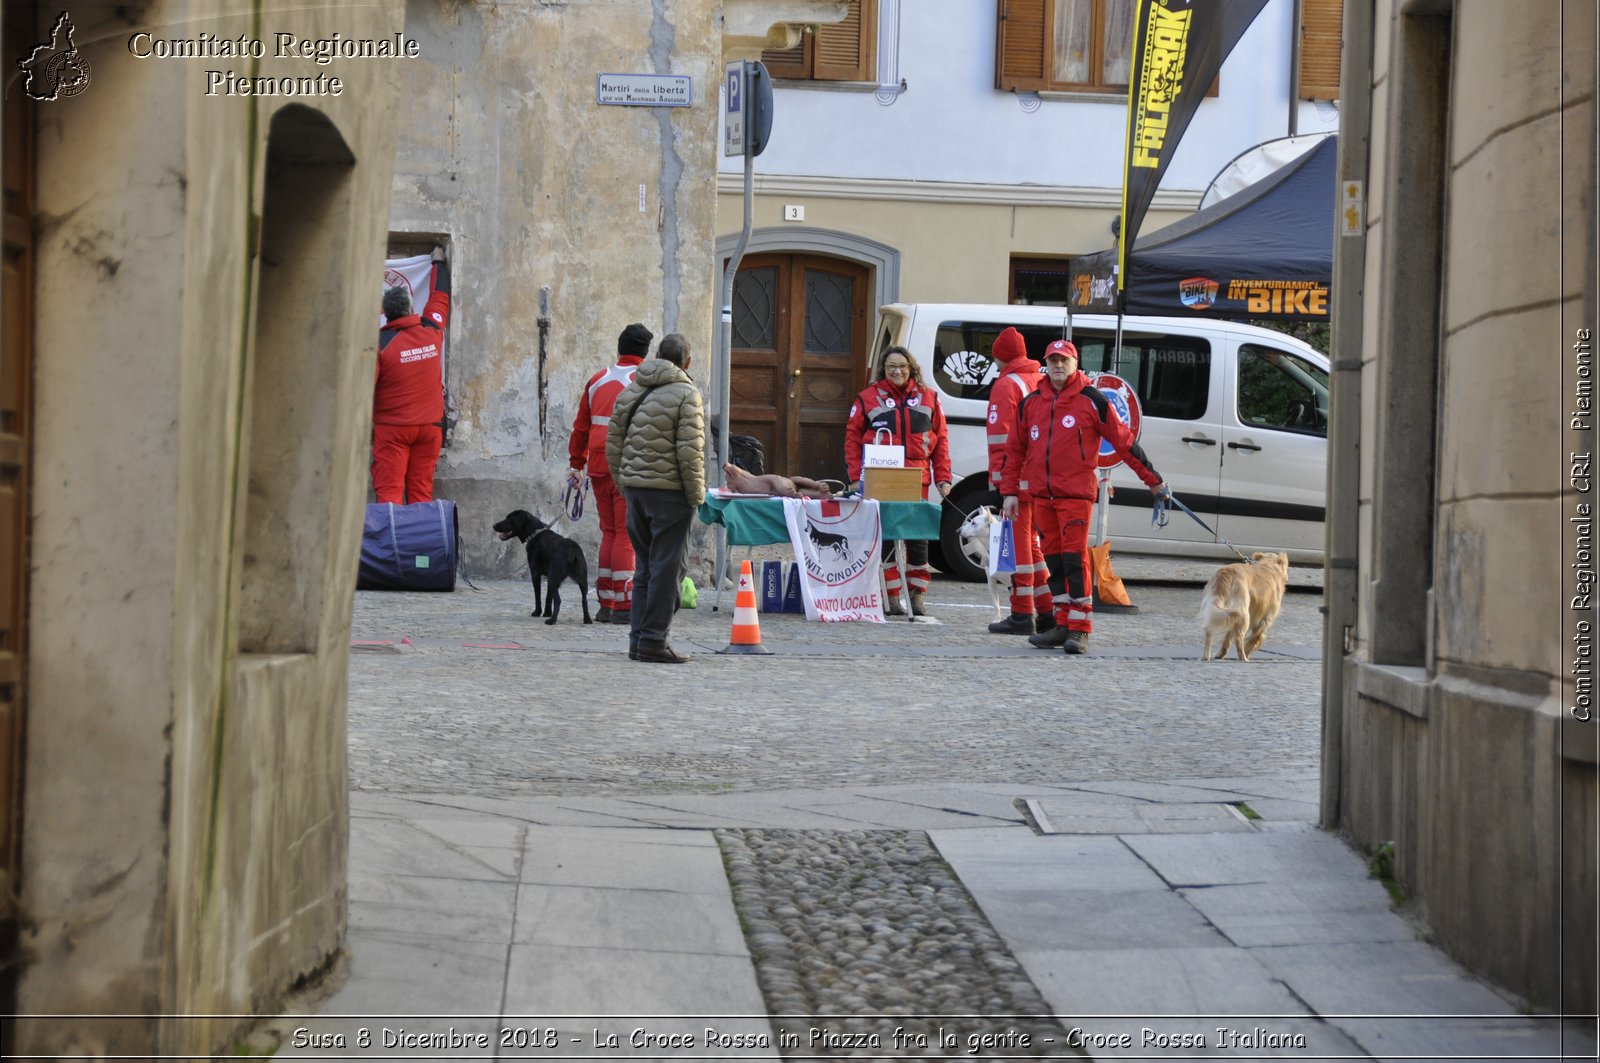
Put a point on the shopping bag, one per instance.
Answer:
(688, 594)
(876, 455)
(793, 601)
(1002, 549)
(772, 586)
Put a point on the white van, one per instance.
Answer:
(1235, 417)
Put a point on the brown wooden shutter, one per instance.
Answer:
(1321, 36)
(788, 62)
(845, 51)
(1022, 58)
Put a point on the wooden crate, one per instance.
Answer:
(892, 485)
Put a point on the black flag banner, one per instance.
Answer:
(1178, 48)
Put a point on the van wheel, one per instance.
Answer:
(957, 508)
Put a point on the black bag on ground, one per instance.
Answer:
(409, 548)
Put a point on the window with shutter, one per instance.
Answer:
(832, 51)
(1063, 45)
(1321, 36)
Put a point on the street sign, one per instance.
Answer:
(645, 90)
(1126, 403)
(734, 110)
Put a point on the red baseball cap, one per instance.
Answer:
(1064, 348)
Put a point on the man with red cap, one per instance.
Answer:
(613, 583)
(1051, 457)
(1030, 590)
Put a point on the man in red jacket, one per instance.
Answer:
(1030, 588)
(613, 584)
(408, 399)
(1051, 457)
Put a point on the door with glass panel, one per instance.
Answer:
(799, 356)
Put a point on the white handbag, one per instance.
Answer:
(877, 455)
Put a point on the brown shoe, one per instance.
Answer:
(892, 607)
(661, 655)
(918, 608)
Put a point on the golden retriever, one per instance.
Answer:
(1241, 602)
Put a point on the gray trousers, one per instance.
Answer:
(658, 525)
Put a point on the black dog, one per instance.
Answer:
(822, 540)
(549, 555)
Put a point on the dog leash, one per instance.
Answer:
(1159, 516)
(572, 498)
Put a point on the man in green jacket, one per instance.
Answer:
(655, 447)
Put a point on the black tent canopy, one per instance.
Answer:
(1264, 252)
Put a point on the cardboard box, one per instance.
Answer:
(892, 485)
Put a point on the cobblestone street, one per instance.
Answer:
(486, 700)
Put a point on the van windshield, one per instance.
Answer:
(1171, 374)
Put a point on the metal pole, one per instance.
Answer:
(724, 363)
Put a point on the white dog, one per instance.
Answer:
(975, 544)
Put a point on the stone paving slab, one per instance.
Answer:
(1314, 913)
(580, 989)
(1232, 859)
(452, 908)
(1091, 920)
(1016, 858)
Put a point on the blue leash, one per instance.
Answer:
(1159, 516)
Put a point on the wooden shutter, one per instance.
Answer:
(845, 51)
(1321, 36)
(788, 62)
(1022, 53)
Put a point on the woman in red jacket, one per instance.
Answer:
(900, 402)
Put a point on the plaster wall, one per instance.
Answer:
(186, 801)
(950, 251)
(950, 123)
(534, 184)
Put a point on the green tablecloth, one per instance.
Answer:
(759, 521)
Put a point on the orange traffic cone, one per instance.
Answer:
(746, 628)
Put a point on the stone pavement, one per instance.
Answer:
(571, 855)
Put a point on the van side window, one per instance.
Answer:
(1279, 390)
(1170, 374)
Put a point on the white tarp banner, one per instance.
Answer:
(837, 547)
(414, 274)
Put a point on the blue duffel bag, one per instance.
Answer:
(409, 548)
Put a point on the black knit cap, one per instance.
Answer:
(635, 339)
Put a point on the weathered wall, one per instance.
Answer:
(202, 415)
(537, 185)
(1454, 740)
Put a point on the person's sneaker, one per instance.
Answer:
(603, 616)
(622, 616)
(1044, 622)
(1077, 642)
(660, 655)
(1049, 640)
(1015, 624)
(918, 606)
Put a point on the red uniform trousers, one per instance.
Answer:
(1064, 526)
(403, 460)
(613, 584)
(1030, 585)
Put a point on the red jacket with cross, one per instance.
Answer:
(410, 385)
(1019, 378)
(588, 443)
(1052, 452)
(915, 419)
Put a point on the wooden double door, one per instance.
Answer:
(799, 357)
